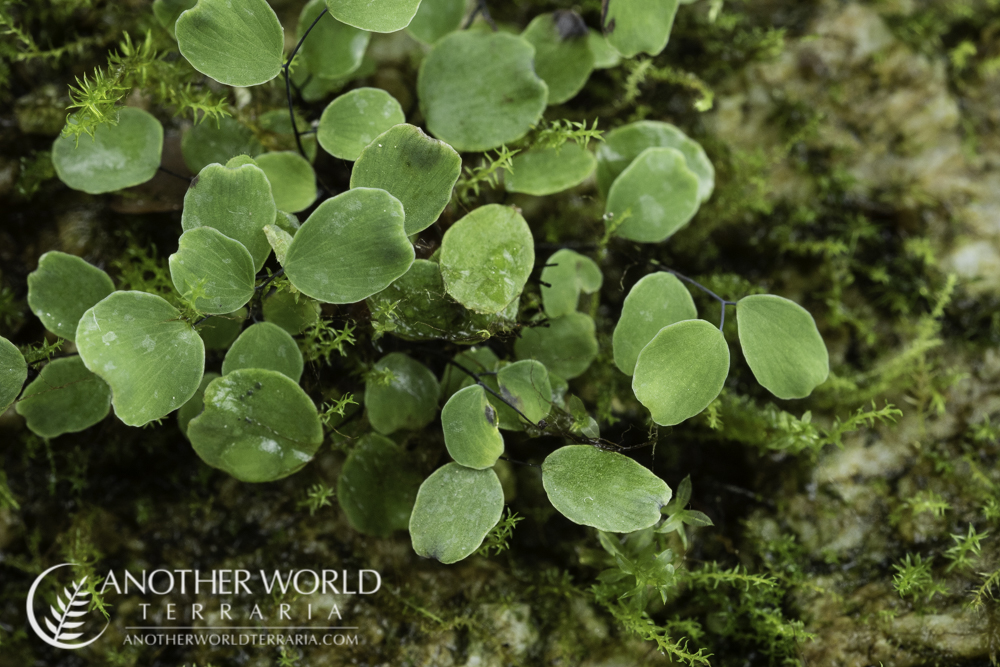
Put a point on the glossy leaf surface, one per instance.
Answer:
(681, 370)
(471, 431)
(352, 246)
(213, 270)
(606, 490)
(374, 15)
(415, 169)
(353, 120)
(257, 425)
(235, 42)
(118, 156)
(656, 301)
(456, 507)
(654, 197)
(265, 345)
(235, 199)
(782, 345)
(152, 359)
(624, 144)
(479, 90)
(486, 258)
(61, 290)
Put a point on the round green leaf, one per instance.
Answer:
(605, 55)
(265, 345)
(213, 270)
(486, 258)
(656, 301)
(235, 199)
(563, 58)
(400, 393)
(236, 42)
(549, 170)
(138, 344)
(195, 404)
(624, 144)
(333, 49)
(353, 120)
(782, 345)
(455, 509)
(13, 373)
(219, 332)
(292, 178)
(681, 371)
(377, 486)
(639, 26)
(566, 274)
(374, 15)
(471, 431)
(606, 490)
(352, 246)
(480, 90)
(567, 346)
(257, 425)
(292, 312)
(415, 307)
(61, 290)
(418, 171)
(217, 141)
(118, 156)
(435, 19)
(525, 385)
(654, 197)
(64, 398)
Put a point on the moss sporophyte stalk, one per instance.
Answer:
(448, 272)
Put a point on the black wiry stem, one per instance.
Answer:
(722, 302)
(475, 376)
(280, 272)
(174, 174)
(288, 82)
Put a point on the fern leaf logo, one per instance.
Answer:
(63, 619)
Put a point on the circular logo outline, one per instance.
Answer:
(33, 621)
